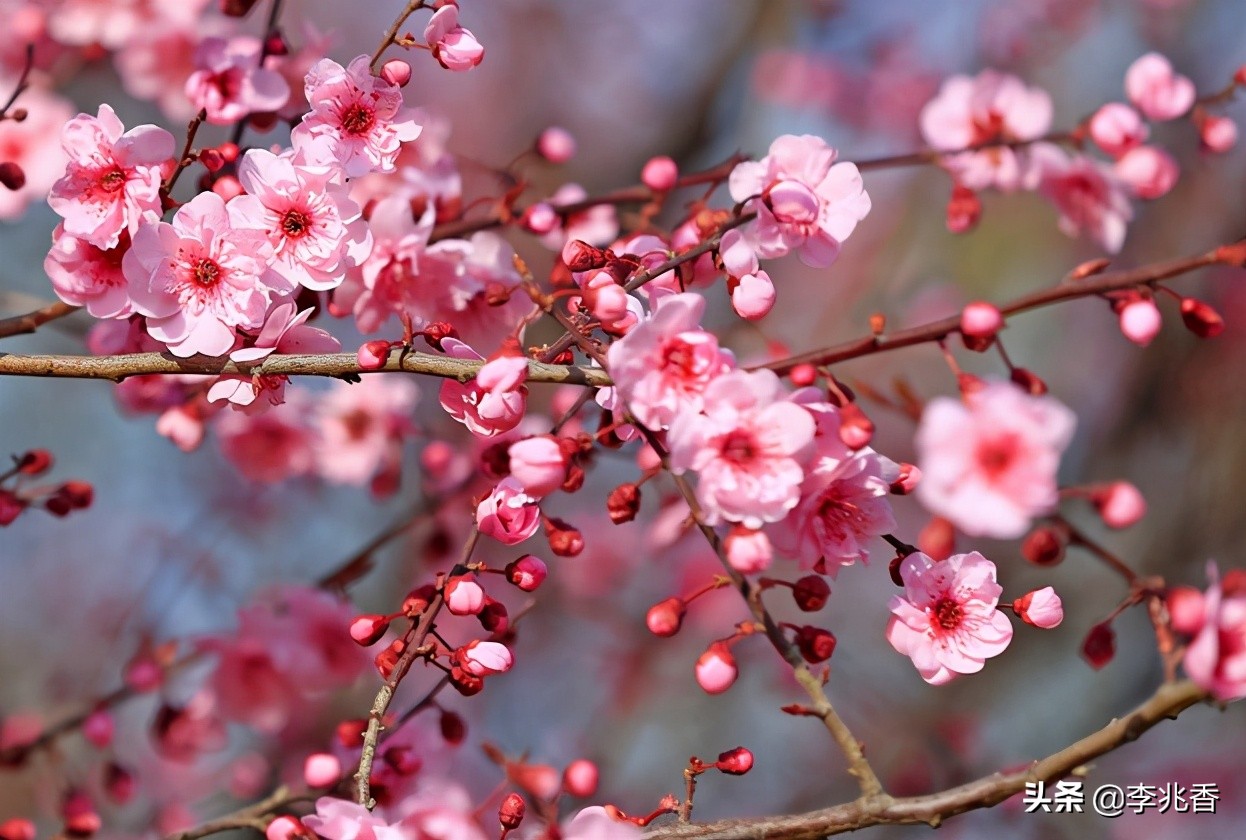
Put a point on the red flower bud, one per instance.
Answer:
(72, 495)
(275, 44)
(1044, 546)
(511, 812)
(665, 617)
(436, 331)
(623, 503)
(565, 540)
(964, 209)
(418, 599)
(11, 507)
(527, 573)
(493, 617)
(403, 760)
(580, 256)
(1201, 319)
(372, 355)
(580, 778)
(811, 592)
(453, 729)
(12, 175)
(815, 644)
(1028, 381)
(367, 630)
(35, 462)
(906, 482)
(350, 733)
(387, 659)
(855, 429)
(17, 829)
(803, 375)
(1099, 646)
(735, 762)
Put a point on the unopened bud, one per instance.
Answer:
(735, 762)
(1042, 608)
(1099, 646)
(1200, 318)
(623, 503)
(12, 175)
(367, 630)
(855, 429)
(716, 669)
(396, 72)
(1120, 504)
(815, 644)
(811, 592)
(964, 209)
(580, 778)
(1044, 546)
(511, 811)
(453, 729)
(372, 355)
(565, 540)
(35, 462)
(1028, 381)
(803, 375)
(660, 174)
(665, 617)
(527, 573)
(906, 482)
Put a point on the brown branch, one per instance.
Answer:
(938, 330)
(31, 321)
(932, 809)
(391, 34)
(117, 368)
(928, 155)
(255, 816)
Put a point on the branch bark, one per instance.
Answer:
(1168, 702)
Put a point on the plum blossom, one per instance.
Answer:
(1156, 89)
(453, 46)
(946, 621)
(155, 65)
(285, 331)
(662, 367)
(83, 275)
(269, 446)
(1089, 196)
(230, 83)
(362, 115)
(113, 178)
(494, 401)
(747, 448)
(362, 426)
(990, 107)
(315, 229)
(341, 819)
(31, 144)
(200, 278)
(803, 199)
(989, 463)
(1216, 659)
(508, 514)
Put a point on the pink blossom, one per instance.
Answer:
(946, 621)
(200, 278)
(747, 447)
(464, 596)
(31, 144)
(283, 331)
(362, 426)
(753, 296)
(1042, 608)
(156, 63)
(494, 401)
(1120, 504)
(455, 47)
(362, 115)
(1116, 128)
(322, 770)
(1218, 133)
(716, 669)
(803, 199)
(1158, 92)
(483, 659)
(113, 178)
(539, 464)
(991, 107)
(1089, 196)
(1140, 320)
(83, 275)
(271, 446)
(662, 367)
(748, 551)
(555, 144)
(1216, 659)
(1148, 170)
(594, 823)
(596, 225)
(82, 23)
(340, 819)
(229, 82)
(316, 231)
(438, 810)
(508, 514)
(989, 463)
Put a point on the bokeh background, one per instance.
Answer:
(176, 542)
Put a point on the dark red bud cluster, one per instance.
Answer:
(811, 592)
(815, 644)
(70, 496)
(565, 539)
(623, 503)
(580, 256)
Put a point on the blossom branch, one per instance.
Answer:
(341, 365)
(391, 34)
(1169, 701)
(31, 321)
(255, 816)
(1103, 283)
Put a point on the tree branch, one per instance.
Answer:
(31, 321)
(1167, 702)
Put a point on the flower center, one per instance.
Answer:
(792, 202)
(948, 614)
(357, 423)
(206, 273)
(295, 224)
(112, 181)
(739, 448)
(995, 456)
(358, 119)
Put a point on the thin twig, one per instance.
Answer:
(391, 34)
(31, 321)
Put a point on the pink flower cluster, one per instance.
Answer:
(1216, 621)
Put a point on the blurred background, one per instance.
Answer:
(176, 542)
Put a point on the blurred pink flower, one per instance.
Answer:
(32, 145)
(455, 47)
(662, 366)
(1116, 128)
(1156, 89)
(596, 225)
(1089, 196)
(747, 448)
(803, 199)
(113, 178)
(989, 463)
(362, 426)
(341, 819)
(201, 277)
(989, 107)
(946, 621)
(362, 115)
(229, 82)
(1216, 659)
(269, 446)
(593, 823)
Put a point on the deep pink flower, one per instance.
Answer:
(1156, 89)
(1216, 659)
(113, 178)
(316, 231)
(362, 115)
(663, 366)
(200, 278)
(539, 464)
(362, 426)
(946, 621)
(747, 448)
(990, 107)
(83, 275)
(455, 47)
(803, 199)
(989, 463)
(508, 514)
(494, 401)
(32, 145)
(229, 82)
(1089, 196)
